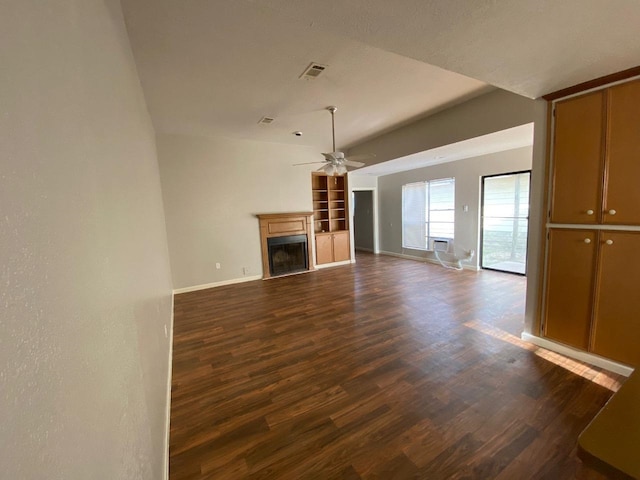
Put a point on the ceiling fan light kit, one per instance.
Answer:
(335, 163)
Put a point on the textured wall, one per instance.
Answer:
(212, 189)
(86, 289)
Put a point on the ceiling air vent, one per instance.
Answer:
(266, 120)
(313, 71)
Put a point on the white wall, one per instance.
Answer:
(212, 189)
(86, 289)
(495, 111)
(467, 173)
(362, 181)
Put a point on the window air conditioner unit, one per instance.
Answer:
(440, 244)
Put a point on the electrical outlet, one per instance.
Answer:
(217, 266)
(245, 271)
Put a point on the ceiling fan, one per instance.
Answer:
(335, 162)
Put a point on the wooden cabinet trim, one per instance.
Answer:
(601, 82)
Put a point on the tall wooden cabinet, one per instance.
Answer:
(330, 218)
(592, 272)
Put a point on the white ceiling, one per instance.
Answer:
(516, 137)
(215, 67)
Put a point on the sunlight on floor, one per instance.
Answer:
(595, 375)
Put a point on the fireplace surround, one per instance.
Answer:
(286, 243)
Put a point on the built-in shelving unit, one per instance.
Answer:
(329, 204)
(330, 218)
(320, 203)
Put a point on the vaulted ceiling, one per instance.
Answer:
(215, 67)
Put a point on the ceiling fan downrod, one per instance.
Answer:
(333, 109)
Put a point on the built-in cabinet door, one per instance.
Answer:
(578, 144)
(341, 251)
(569, 289)
(622, 191)
(617, 305)
(324, 249)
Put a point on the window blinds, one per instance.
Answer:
(428, 211)
(414, 202)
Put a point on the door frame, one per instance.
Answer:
(481, 249)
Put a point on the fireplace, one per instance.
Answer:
(286, 243)
(287, 254)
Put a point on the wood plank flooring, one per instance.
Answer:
(386, 369)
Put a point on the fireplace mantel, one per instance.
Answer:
(281, 225)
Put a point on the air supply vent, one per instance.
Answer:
(313, 71)
(266, 120)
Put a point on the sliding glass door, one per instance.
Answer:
(505, 222)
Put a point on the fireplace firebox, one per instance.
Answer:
(287, 254)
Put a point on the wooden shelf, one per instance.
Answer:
(329, 203)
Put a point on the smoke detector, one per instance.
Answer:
(313, 71)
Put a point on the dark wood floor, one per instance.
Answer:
(386, 369)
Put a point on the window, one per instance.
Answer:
(428, 212)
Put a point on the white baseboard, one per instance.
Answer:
(428, 260)
(217, 284)
(579, 355)
(335, 264)
(169, 378)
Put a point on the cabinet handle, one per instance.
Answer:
(609, 242)
(589, 212)
(611, 212)
(587, 240)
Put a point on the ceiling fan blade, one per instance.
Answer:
(351, 163)
(306, 163)
(330, 157)
(362, 156)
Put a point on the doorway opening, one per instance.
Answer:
(505, 222)
(364, 237)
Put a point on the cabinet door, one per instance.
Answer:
(617, 306)
(569, 288)
(324, 249)
(341, 251)
(622, 194)
(578, 159)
